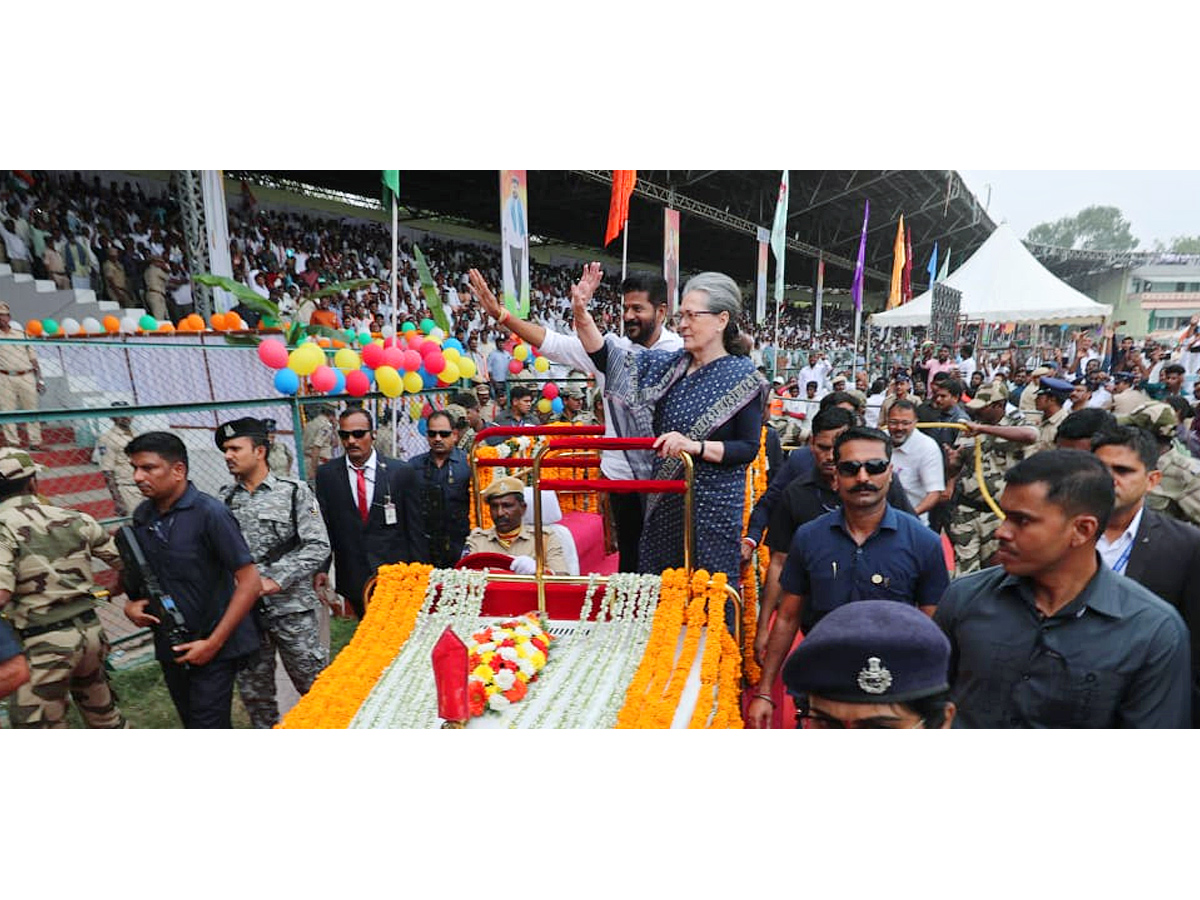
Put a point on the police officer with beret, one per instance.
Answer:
(283, 527)
(1051, 400)
(872, 664)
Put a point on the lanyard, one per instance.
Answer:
(1123, 559)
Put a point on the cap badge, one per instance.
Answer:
(875, 678)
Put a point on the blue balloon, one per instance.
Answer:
(428, 381)
(452, 343)
(287, 381)
(370, 373)
(556, 405)
(422, 426)
(340, 387)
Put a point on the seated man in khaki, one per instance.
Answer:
(506, 500)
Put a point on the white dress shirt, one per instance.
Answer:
(352, 475)
(1112, 552)
(918, 466)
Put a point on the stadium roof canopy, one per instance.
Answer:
(720, 211)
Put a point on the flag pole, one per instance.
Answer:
(854, 355)
(624, 258)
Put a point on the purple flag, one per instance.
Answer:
(856, 287)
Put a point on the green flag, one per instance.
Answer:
(391, 187)
(945, 270)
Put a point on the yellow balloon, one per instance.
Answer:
(412, 382)
(466, 368)
(521, 352)
(346, 360)
(542, 364)
(389, 381)
(451, 354)
(449, 375)
(544, 405)
(414, 410)
(305, 359)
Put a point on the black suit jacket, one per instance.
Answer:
(1166, 559)
(359, 549)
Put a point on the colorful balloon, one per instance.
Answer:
(389, 381)
(413, 383)
(544, 406)
(364, 338)
(372, 356)
(147, 323)
(427, 325)
(305, 359)
(451, 354)
(91, 325)
(322, 379)
(34, 328)
(556, 406)
(449, 374)
(452, 344)
(550, 391)
(70, 327)
(521, 352)
(541, 364)
(273, 353)
(50, 326)
(408, 326)
(346, 359)
(287, 381)
(394, 357)
(357, 383)
(435, 362)
(129, 325)
(340, 387)
(515, 366)
(111, 324)
(466, 367)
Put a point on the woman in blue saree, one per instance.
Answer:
(707, 400)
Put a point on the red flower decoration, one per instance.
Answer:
(495, 662)
(476, 698)
(540, 644)
(508, 642)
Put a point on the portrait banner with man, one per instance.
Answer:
(671, 257)
(514, 237)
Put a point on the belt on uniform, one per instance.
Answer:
(15, 371)
(84, 618)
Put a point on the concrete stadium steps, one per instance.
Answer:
(32, 298)
(58, 434)
(53, 457)
(72, 480)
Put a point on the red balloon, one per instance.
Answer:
(372, 356)
(411, 361)
(391, 342)
(273, 354)
(435, 363)
(393, 356)
(416, 342)
(323, 379)
(515, 366)
(550, 391)
(357, 383)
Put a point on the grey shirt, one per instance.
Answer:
(1114, 657)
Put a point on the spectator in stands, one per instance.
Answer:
(158, 278)
(56, 267)
(18, 251)
(114, 279)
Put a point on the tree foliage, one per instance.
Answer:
(1094, 228)
(1180, 244)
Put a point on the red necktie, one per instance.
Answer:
(363, 509)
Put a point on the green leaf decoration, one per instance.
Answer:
(247, 296)
(429, 289)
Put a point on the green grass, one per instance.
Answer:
(142, 694)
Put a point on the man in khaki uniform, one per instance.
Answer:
(46, 593)
(510, 535)
(1126, 397)
(1052, 397)
(280, 456)
(1027, 405)
(118, 471)
(157, 278)
(114, 280)
(318, 440)
(20, 380)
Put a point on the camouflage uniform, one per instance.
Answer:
(280, 459)
(110, 447)
(289, 620)
(972, 528)
(1178, 492)
(46, 562)
(788, 428)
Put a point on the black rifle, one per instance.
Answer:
(142, 584)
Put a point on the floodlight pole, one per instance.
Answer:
(395, 308)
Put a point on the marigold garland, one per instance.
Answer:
(659, 654)
(710, 660)
(338, 692)
(753, 576)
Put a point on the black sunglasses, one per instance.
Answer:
(356, 433)
(435, 433)
(850, 467)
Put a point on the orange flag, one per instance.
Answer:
(618, 208)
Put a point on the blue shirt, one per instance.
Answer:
(799, 462)
(1116, 656)
(9, 645)
(901, 561)
(194, 548)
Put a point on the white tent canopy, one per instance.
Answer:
(1003, 282)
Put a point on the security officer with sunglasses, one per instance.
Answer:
(866, 550)
(444, 477)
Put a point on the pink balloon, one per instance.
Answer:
(416, 342)
(515, 366)
(372, 356)
(357, 383)
(391, 342)
(411, 361)
(435, 362)
(273, 353)
(394, 357)
(323, 379)
(550, 391)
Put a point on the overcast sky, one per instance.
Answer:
(1158, 204)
